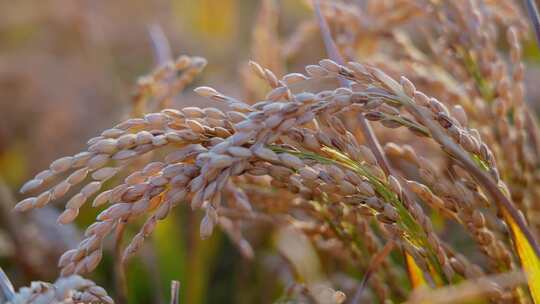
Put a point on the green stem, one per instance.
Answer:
(413, 232)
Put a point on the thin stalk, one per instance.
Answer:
(160, 44)
(175, 292)
(369, 135)
(333, 53)
(532, 10)
(374, 264)
(6, 288)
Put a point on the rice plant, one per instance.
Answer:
(403, 168)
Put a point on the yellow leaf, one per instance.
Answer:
(416, 276)
(529, 260)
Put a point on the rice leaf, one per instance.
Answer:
(416, 276)
(528, 258)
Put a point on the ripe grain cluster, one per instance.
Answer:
(460, 155)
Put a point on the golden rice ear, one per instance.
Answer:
(310, 160)
(374, 145)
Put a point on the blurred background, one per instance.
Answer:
(68, 70)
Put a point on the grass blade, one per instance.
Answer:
(532, 10)
(375, 263)
(416, 276)
(529, 260)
